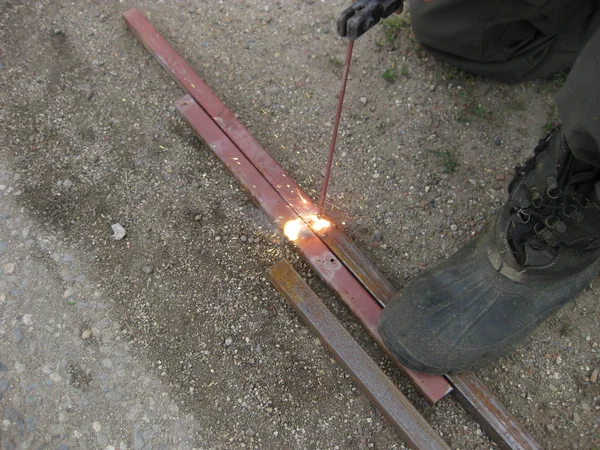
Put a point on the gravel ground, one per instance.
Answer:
(172, 337)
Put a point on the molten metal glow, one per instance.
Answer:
(292, 229)
(318, 224)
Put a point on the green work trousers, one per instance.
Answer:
(517, 40)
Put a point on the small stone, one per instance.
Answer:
(87, 333)
(113, 73)
(27, 319)
(432, 87)
(243, 238)
(57, 31)
(217, 238)
(147, 269)
(497, 141)
(89, 94)
(594, 376)
(454, 227)
(8, 268)
(249, 432)
(500, 177)
(551, 428)
(427, 188)
(119, 231)
(18, 335)
(364, 100)
(228, 342)
(377, 236)
(97, 427)
(67, 184)
(198, 218)
(1, 66)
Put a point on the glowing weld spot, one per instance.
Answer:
(292, 229)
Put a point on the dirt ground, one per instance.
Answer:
(173, 337)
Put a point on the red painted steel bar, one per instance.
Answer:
(433, 388)
(322, 260)
(375, 384)
(191, 83)
(503, 425)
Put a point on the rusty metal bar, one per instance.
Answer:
(325, 263)
(500, 425)
(499, 420)
(220, 128)
(293, 194)
(375, 384)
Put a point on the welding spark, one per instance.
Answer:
(303, 199)
(293, 228)
(318, 224)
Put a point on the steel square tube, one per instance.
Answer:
(374, 383)
(293, 194)
(322, 260)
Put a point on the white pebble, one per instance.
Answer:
(119, 231)
(97, 427)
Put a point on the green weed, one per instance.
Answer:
(390, 73)
(479, 111)
(567, 330)
(448, 158)
(555, 82)
(517, 104)
(335, 62)
(470, 108)
(461, 76)
(551, 119)
(393, 27)
(404, 69)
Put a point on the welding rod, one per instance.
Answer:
(336, 125)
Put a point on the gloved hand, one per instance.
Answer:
(364, 15)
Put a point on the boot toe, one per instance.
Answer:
(464, 312)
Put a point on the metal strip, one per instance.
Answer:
(324, 262)
(375, 384)
(497, 421)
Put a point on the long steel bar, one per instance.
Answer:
(433, 388)
(336, 126)
(374, 383)
(469, 390)
(503, 426)
(293, 194)
(324, 262)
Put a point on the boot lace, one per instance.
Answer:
(546, 219)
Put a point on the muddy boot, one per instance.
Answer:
(542, 249)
